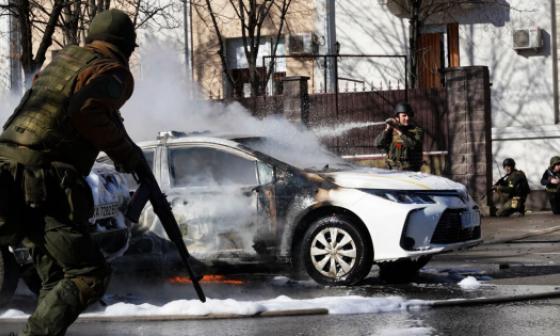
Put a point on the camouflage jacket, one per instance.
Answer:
(404, 151)
(545, 181)
(71, 111)
(514, 185)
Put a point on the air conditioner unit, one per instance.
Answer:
(303, 44)
(529, 38)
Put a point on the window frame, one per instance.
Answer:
(226, 149)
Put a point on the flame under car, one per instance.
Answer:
(241, 200)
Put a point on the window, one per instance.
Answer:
(203, 167)
(237, 63)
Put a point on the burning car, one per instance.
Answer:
(254, 200)
(108, 227)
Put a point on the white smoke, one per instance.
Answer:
(8, 102)
(164, 99)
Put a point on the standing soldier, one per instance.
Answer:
(402, 140)
(551, 181)
(47, 147)
(515, 187)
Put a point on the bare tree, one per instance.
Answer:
(252, 16)
(44, 23)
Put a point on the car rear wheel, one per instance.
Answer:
(8, 276)
(402, 270)
(335, 251)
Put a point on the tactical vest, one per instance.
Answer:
(400, 154)
(553, 188)
(41, 122)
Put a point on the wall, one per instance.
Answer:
(370, 29)
(523, 91)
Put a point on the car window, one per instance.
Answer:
(201, 166)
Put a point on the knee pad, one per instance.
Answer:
(92, 286)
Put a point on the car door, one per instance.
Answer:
(214, 194)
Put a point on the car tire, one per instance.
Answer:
(8, 276)
(402, 270)
(345, 262)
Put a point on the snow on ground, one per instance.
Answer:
(469, 283)
(417, 331)
(334, 304)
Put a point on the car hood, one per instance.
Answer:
(385, 179)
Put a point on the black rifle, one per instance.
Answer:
(149, 190)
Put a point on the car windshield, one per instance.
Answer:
(308, 156)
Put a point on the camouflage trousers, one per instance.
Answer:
(53, 226)
(511, 206)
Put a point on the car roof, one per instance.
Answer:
(176, 137)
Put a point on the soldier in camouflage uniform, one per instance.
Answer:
(402, 140)
(47, 147)
(515, 187)
(551, 181)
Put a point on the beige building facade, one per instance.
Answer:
(297, 40)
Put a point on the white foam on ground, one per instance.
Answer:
(335, 305)
(417, 331)
(469, 283)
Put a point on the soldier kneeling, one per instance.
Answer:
(551, 181)
(514, 186)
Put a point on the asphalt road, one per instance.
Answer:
(506, 265)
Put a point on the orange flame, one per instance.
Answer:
(183, 280)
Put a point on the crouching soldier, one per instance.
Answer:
(48, 146)
(402, 140)
(551, 181)
(514, 186)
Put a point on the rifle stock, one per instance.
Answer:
(149, 190)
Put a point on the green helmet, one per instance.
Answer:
(554, 161)
(509, 162)
(403, 107)
(113, 26)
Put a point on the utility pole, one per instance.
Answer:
(331, 45)
(16, 79)
(186, 31)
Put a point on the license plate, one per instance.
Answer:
(106, 211)
(470, 219)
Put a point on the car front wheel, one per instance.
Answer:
(8, 276)
(335, 251)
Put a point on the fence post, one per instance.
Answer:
(296, 99)
(470, 138)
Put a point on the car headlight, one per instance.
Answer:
(399, 196)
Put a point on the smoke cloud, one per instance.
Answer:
(164, 99)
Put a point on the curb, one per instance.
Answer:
(522, 236)
(491, 300)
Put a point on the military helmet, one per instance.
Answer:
(509, 162)
(113, 26)
(554, 161)
(403, 107)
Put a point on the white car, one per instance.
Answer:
(255, 200)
